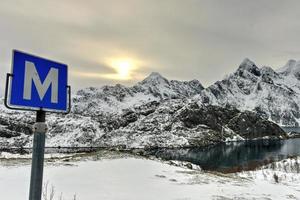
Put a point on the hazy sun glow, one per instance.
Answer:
(123, 67)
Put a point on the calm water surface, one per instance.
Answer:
(230, 157)
(235, 156)
(240, 156)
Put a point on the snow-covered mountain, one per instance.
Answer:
(95, 112)
(273, 94)
(154, 112)
(113, 99)
(162, 112)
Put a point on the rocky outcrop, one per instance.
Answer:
(250, 125)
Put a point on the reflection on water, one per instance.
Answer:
(240, 156)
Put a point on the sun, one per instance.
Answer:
(123, 67)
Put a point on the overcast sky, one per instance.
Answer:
(181, 39)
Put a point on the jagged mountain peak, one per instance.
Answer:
(291, 67)
(272, 94)
(291, 61)
(155, 75)
(248, 65)
(155, 78)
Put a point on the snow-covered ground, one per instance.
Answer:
(131, 178)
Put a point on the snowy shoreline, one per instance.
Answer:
(116, 177)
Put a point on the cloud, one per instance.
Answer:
(202, 39)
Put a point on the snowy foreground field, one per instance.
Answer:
(133, 178)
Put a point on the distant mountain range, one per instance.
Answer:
(274, 95)
(162, 112)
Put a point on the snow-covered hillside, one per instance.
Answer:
(273, 94)
(113, 99)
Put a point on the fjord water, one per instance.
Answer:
(235, 156)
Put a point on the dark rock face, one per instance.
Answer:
(212, 116)
(247, 124)
(250, 125)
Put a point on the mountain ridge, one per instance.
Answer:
(154, 87)
(167, 113)
(273, 94)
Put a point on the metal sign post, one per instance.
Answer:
(37, 166)
(37, 84)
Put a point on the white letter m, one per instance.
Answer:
(31, 75)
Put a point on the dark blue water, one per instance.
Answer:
(233, 157)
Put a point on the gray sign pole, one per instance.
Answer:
(37, 166)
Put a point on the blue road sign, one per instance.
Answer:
(38, 83)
